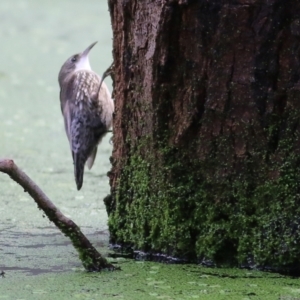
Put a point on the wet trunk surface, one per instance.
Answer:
(206, 129)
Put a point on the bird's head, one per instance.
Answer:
(76, 62)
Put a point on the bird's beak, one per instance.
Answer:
(85, 53)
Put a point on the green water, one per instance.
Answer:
(39, 263)
(36, 38)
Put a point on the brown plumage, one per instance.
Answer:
(87, 109)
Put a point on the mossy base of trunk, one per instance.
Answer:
(232, 210)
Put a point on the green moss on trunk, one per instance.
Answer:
(171, 202)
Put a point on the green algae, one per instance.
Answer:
(145, 280)
(36, 38)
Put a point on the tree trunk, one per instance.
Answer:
(206, 129)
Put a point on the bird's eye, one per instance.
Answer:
(73, 59)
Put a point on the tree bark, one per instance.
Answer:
(206, 129)
(91, 259)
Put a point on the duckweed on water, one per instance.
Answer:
(146, 280)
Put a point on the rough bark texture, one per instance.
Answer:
(206, 129)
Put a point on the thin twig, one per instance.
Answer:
(91, 259)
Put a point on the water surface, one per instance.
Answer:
(36, 38)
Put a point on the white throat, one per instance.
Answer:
(83, 64)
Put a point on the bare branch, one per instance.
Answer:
(91, 259)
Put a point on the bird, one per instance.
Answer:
(87, 109)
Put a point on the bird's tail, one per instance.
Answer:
(91, 158)
(79, 162)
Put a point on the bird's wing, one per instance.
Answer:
(67, 120)
(77, 102)
(106, 102)
(83, 119)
